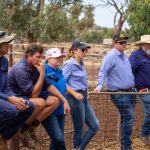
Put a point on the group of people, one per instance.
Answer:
(123, 74)
(32, 92)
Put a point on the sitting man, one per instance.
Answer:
(14, 111)
(27, 79)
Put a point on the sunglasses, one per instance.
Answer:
(84, 50)
(123, 42)
(2, 34)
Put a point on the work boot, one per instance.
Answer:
(33, 135)
(25, 139)
(3, 143)
(145, 140)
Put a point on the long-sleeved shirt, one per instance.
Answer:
(75, 74)
(22, 80)
(5, 91)
(140, 63)
(116, 70)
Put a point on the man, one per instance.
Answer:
(27, 79)
(116, 69)
(140, 62)
(14, 111)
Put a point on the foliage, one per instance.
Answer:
(139, 17)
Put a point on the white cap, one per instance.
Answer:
(54, 53)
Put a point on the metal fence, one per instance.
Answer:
(108, 136)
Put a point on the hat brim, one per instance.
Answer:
(85, 46)
(142, 42)
(56, 56)
(6, 39)
(121, 39)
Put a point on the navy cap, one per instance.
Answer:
(117, 38)
(77, 44)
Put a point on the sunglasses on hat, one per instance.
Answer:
(2, 34)
(84, 49)
(122, 42)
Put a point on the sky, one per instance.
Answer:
(103, 15)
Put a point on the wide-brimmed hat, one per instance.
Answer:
(144, 39)
(77, 44)
(54, 53)
(4, 38)
(118, 38)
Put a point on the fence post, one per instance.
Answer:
(11, 57)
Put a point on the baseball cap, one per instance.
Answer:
(77, 44)
(4, 38)
(54, 53)
(118, 37)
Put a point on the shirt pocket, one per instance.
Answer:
(146, 66)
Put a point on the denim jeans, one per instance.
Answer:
(125, 105)
(11, 119)
(146, 124)
(82, 112)
(54, 126)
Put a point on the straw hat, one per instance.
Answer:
(145, 39)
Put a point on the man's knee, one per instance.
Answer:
(38, 102)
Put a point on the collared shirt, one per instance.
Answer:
(57, 79)
(22, 79)
(116, 69)
(75, 74)
(140, 63)
(5, 91)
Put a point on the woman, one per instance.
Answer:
(81, 110)
(54, 124)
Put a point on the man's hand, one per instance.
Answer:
(66, 107)
(18, 102)
(40, 67)
(78, 96)
(97, 89)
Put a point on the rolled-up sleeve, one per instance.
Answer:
(66, 70)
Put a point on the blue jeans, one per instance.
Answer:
(82, 113)
(125, 105)
(54, 126)
(146, 124)
(11, 119)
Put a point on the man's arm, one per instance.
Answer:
(107, 64)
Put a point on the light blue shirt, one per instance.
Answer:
(116, 69)
(75, 74)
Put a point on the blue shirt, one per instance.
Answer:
(75, 74)
(22, 79)
(140, 63)
(116, 69)
(5, 91)
(56, 78)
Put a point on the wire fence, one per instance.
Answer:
(107, 138)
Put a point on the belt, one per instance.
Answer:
(145, 89)
(81, 91)
(122, 90)
(140, 88)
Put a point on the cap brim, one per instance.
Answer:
(121, 39)
(62, 55)
(7, 39)
(85, 46)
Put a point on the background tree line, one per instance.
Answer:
(65, 20)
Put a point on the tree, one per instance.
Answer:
(138, 17)
(120, 12)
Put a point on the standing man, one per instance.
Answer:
(140, 62)
(116, 69)
(14, 111)
(27, 79)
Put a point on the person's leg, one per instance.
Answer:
(11, 119)
(146, 123)
(125, 105)
(78, 118)
(51, 104)
(92, 123)
(54, 126)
